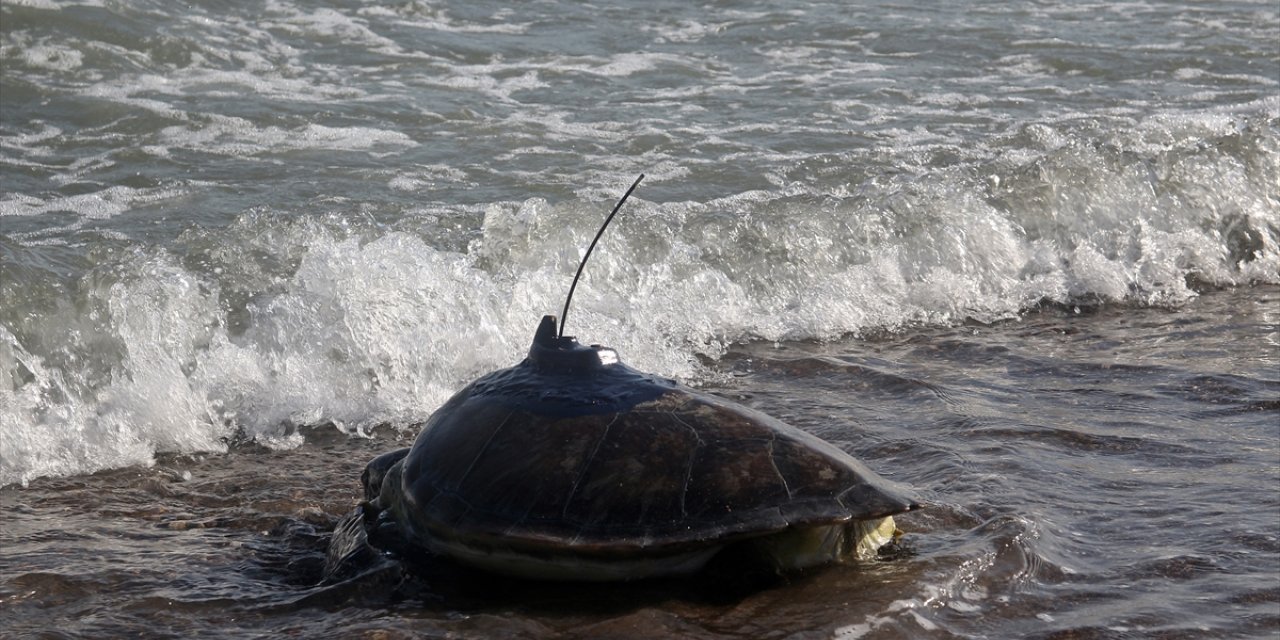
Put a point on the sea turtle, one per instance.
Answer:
(572, 465)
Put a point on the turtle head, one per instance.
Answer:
(564, 353)
(376, 472)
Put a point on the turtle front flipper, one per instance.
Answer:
(349, 551)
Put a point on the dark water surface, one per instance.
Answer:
(1109, 472)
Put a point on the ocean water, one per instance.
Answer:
(1021, 256)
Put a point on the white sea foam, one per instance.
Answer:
(52, 57)
(425, 177)
(684, 30)
(325, 23)
(96, 205)
(239, 137)
(54, 5)
(56, 423)
(424, 15)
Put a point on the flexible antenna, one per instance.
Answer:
(565, 314)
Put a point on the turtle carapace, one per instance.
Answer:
(572, 465)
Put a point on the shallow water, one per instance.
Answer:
(1106, 472)
(243, 250)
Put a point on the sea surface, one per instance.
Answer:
(1022, 257)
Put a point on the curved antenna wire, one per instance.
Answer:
(565, 314)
